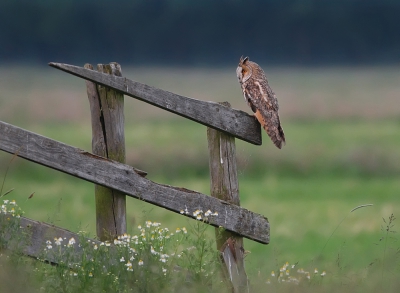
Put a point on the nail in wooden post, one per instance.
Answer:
(224, 185)
(108, 140)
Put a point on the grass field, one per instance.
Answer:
(343, 150)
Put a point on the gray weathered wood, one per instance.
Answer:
(37, 234)
(234, 271)
(225, 186)
(214, 115)
(130, 181)
(108, 140)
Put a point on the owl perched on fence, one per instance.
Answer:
(260, 98)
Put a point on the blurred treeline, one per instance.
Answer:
(209, 32)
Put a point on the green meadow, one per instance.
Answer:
(343, 151)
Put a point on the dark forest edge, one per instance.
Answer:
(204, 33)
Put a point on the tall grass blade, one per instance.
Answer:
(7, 192)
(356, 208)
(361, 206)
(5, 174)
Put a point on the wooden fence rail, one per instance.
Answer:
(130, 181)
(37, 234)
(214, 115)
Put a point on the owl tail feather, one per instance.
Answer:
(281, 141)
(275, 133)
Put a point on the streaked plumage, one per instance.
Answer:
(261, 99)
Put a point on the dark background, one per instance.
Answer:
(197, 33)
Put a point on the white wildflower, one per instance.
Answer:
(48, 244)
(152, 250)
(129, 266)
(58, 241)
(71, 242)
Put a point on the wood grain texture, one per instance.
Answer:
(37, 233)
(225, 186)
(130, 181)
(108, 140)
(235, 122)
(234, 271)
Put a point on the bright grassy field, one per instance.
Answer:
(343, 150)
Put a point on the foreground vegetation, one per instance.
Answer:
(339, 157)
(181, 260)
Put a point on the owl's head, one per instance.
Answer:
(244, 70)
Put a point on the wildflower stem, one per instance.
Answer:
(388, 229)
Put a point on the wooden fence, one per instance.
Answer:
(113, 179)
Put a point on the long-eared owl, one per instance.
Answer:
(261, 99)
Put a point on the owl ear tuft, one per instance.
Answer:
(243, 60)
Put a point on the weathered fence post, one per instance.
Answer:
(108, 140)
(224, 185)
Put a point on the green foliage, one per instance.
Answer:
(10, 235)
(184, 260)
(153, 260)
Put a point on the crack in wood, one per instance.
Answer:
(85, 153)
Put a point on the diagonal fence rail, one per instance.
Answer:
(131, 181)
(34, 234)
(234, 122)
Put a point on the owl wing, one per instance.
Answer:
(264, 104)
